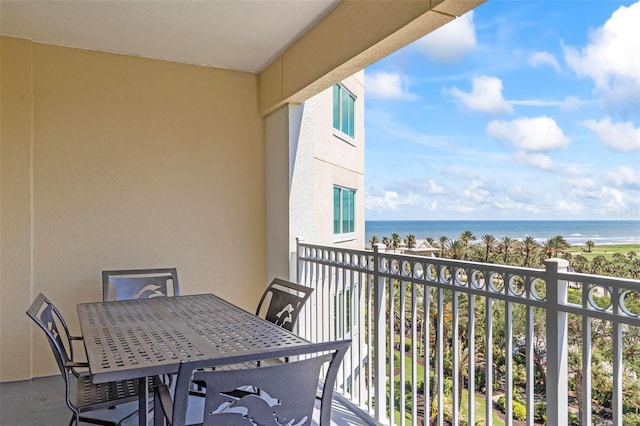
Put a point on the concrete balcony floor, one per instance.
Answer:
(40, 402)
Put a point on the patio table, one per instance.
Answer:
(137, 339)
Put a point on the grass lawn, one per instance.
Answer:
(479, 407)
(607, 250)
(464, 406)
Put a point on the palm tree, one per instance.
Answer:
(580, 264)
(373, 241)
(430, 241)
(410, 241)
(387, 242)
(489, 241)
(554, 246)
(443, 244)
(395, 240)
(530, 245)
(467, 236)
(506, 243)
(598, 264)
(590, 245)
(456, 249)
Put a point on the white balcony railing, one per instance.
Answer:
(540, 323)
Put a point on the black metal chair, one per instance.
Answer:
(139, 284)
(286, 393)
(88, 396)
(282, 302)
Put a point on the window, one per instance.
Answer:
(343, 210)
(342, 319)
(343, 110)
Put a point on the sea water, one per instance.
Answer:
(574, 232)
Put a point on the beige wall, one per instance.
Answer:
(111, 161)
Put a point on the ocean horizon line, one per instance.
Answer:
(576, 232)
(502, 220)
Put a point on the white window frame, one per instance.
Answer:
(343, 236)
(338, 131)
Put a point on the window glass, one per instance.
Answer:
(351, 117)
(343, 110)
(336, 107)
(343, 210)
(336, 210)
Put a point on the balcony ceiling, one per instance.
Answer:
(243, 35)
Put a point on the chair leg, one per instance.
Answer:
(158, 418)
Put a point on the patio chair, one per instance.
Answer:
(286, 393)
(88, 396)
(285, 301)
(280, 304)
(139, 284)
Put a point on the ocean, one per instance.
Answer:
(575, 232)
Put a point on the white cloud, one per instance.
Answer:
(391, 200)
(485, 96)
(625, 176)
(434, 188)
(538, 160)
(475, 192)
(611, 58)
(449, 43)
(529, 134)
(571, 103)
(535, 103)
(571, 207)
(619, 136)
(544, 58)
(613, 199)
(386, 85)
(583, 183)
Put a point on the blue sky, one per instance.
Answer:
(516, 110)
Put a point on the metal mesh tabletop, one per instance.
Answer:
(145, 337)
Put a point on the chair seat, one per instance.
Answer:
(91, 396)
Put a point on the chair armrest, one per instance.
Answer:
(71, 340)
(163, 400)
(73, 365)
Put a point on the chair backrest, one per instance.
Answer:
(282, 394)
(49, 319)
(285, 301)
(139, 284)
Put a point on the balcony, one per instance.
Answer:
(544, 328)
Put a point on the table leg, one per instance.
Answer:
(143, 397)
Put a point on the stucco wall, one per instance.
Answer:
(339, 162)
(112, 162)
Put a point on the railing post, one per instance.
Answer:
(557, 347)
(379, 339)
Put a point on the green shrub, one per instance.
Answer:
(519, 411)
(540, 412)
(447, 386)
(574, 420)
(631, 419)
(407, 346)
